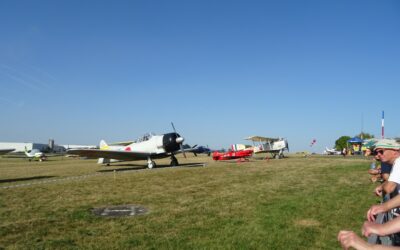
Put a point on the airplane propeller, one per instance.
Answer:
(179, 140)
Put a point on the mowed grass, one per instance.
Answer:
(293, 203)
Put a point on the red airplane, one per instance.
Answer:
(241, 155)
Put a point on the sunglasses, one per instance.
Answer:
(381, 151)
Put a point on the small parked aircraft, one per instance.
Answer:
(198, 149)
(147, 147)
(6, 150)
(202, 150)
(241, 154)
(275, 146)
(332, 151)
(35, 154)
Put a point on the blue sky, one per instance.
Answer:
(81, 71)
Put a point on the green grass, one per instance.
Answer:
(294, 203)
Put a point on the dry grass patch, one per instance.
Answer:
(307, 223)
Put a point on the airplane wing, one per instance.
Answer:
(112, 154)
(5, 151)
(191, 149)
(121, 143)
(260, 138)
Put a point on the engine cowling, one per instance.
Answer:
(170, 143)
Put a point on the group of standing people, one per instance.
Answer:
(387, 151)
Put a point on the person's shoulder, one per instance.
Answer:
(385, 164)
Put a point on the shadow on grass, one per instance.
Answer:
(235, 161)
(26, 179)
(133, 167)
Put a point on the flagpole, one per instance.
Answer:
(383, 124)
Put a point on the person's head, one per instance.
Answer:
(367, 152)
(387, 150)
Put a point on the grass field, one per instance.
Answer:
(293, 203)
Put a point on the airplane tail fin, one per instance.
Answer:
(103, 145)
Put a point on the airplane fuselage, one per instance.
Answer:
(217, 156)
(148, 147)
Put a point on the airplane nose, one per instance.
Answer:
(171, 142)
(179, 140)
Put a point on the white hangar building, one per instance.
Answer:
(20, 146)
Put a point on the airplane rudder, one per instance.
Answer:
(103, 144)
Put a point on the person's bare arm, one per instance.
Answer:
(390, 227)
(389, 186)
(348, 239)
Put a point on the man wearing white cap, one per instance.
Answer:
(395, 202)
(388, 151)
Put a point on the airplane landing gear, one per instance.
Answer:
(174, 162)
(150, 164)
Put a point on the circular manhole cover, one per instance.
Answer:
(119, 211)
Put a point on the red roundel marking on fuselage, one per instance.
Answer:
(128, 149)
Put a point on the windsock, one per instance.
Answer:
(313, 142)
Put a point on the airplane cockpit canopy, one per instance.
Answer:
(145, 137)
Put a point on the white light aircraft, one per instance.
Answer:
(275, 146)
(148, 147)
(35, 154)
(331, 151)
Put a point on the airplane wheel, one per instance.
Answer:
(152, 164)
(174, 163)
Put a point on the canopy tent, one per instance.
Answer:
(356, 144)
(355, 140)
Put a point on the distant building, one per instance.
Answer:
(20, 147)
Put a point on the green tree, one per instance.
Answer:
(364, 136)
(341, 143)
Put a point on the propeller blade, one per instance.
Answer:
(180, 140)
(173, 127)
(194, 146)
(183, 151)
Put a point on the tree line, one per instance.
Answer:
(341, 143)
